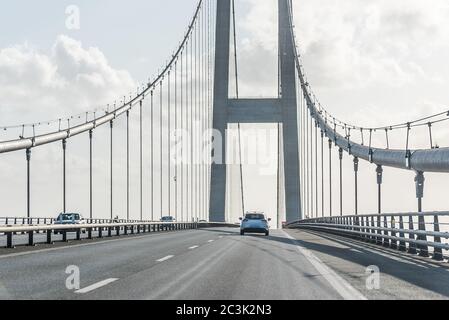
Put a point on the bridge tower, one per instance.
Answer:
(282, 109)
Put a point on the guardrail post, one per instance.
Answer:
(386, 241)
(394, 243)
(89, 233)
(362, 229)
(411, 236)
(49, 232)
(100, 232)
(437, 252)
(373, 231)
(9, 243)
(402, 245)
(78, 234)
(31, 238)
(125, 230)
(109, 232)
(419, 181)
(64, 236)
(117, 231)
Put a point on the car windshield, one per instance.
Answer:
(167, 218)
(68, 216)
(255, 216)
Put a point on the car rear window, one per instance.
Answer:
(255, 216)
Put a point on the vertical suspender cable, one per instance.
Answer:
(127, 165)
(111, 168)
(330, 178)
(152, 154)
(340, 155)
(316, 169)
(182, 137)
(90, 176)
(304, 154)
(307, 162)
(194, 124)
(141, 159)
(64, 147)
(191, 131)
(312, 207)
(279, 225)
(176, 136)
(161, 142)
(169, 213)
(28, 158)
(322, 174)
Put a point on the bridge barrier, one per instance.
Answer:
(104, 229)
(23, 221)
(202, 225)
(408, 232)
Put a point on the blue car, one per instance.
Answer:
(255, 223)
(69, 219)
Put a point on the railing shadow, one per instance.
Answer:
(424, 273)
(428, 275)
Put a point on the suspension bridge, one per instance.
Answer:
(182, 117)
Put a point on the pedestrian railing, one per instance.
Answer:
(422, 233)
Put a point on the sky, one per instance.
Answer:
(371, 64)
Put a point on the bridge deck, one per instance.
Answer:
(218, 264)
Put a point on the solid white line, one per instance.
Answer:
(194, 247)
(210, 241)
(165, 258)
(343, 287)
(96, 285)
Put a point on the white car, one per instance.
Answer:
(254, 223)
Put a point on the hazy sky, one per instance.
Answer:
(369, 63)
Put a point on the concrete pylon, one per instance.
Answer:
(282, 109)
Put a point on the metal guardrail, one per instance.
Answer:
(46, 221)
(409, 232)
(108, 228)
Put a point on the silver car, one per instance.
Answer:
(254, 223)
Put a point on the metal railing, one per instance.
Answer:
(8, 221)
(102, 229)
(415, 233)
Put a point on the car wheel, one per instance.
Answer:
(267, 233)
(242, 233)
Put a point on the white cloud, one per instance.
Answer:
(67, 80)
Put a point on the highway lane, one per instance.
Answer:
(194, 264)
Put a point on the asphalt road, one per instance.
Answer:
(194, 264)
(203, 265)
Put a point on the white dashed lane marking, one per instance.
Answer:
(165, 258)
(96, 285)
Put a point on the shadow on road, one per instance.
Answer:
(424, 273)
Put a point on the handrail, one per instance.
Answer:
(387, 229)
